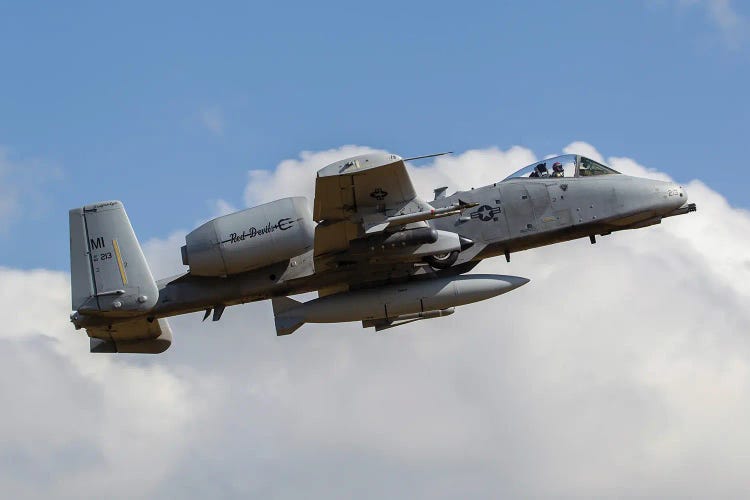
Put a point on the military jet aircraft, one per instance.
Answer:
(371, 248)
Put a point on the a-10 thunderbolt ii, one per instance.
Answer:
(373, 250)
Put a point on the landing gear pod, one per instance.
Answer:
(443, 260)
(446, 260)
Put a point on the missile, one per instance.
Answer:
(425, 215)
(435, 213)
(392, 302)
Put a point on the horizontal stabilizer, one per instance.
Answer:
(138, 336)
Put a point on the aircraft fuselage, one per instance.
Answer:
(520, 214)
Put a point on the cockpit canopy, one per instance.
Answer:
(562, 166)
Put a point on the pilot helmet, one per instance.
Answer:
(557, 167)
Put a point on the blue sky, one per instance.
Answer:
(167, 106)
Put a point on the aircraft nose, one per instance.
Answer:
(683, 194)
(677, 192)
(673, 195)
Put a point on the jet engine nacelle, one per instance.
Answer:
(250, 239)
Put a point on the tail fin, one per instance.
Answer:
(285, 323)
(109, 273)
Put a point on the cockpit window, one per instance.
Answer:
(559, 166)
(562, 166)
(589, 167)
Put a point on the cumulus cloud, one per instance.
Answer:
(222, 207)
(163, 255)
(621, 370)
(76, 426)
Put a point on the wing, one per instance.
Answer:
(370, 219)
(353, 194)
(362, 183)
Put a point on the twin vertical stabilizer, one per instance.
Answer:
(109, 273)
(112, 287)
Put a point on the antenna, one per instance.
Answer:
(428, 156)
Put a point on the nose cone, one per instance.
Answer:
(465, 243)
(512, 282)
(683, 194)
(517, 281)
(674, 195)
(504, 284)
(475, 287)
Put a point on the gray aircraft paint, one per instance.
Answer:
(110, 275)
(556, 210)
(249, 239)
(359, 202)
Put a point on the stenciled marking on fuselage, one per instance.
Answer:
(281, 225)
(486, 213)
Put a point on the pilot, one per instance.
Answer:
(557, 170)
(540, 171)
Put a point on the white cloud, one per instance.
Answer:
(473, 168)
(76, 425)
(585, 149)
(213, 119)
(163, 255)
(222, 207)
(621, 370)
